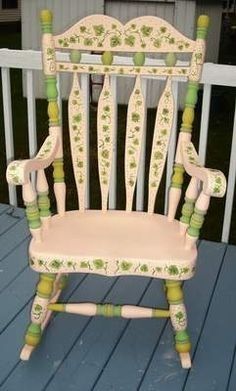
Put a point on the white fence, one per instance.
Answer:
(213, 74)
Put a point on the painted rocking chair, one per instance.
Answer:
(89, 241)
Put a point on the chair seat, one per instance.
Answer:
(113, 243)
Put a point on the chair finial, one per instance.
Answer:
(46, 20)
(202, 26)
(203, 21)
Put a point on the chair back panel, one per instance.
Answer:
(140, 35)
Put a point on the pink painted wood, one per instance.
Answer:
(109, 242)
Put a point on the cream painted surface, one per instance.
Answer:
(147, 71)
(94, 236)
(18, 171)
(113, 35)
(209, 177)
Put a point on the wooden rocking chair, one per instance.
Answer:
(116, 242)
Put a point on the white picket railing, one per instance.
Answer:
(213, 74)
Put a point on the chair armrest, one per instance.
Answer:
(214, 181)
(18, 170)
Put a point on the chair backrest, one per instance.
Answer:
(107, 35)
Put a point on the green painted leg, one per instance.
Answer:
(174, 294)
(48, 290)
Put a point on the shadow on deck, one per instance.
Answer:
(79, 353)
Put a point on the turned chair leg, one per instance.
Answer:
(48, 290)
(178, 316)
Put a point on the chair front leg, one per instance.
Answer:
(45, 290)
(178, 316)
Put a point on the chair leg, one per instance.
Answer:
(178, 316)
(48, 290)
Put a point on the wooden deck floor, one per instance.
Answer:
(79, 353)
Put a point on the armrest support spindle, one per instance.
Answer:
(197, 219)
(32, 211)
(188, 207)
(43, 199)
(213, 185)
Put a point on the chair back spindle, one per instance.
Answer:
(43, 199)
(76, 115)
(105, 128)
(163, 126)
(134, 132)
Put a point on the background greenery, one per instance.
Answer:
(218, 149)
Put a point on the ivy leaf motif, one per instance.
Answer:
(135, 116)
(125, 266)
(130, 40)
(99, 29)
(146, 30)
(115, 41)
(99, 264)
(55, 264)
(88, 41)
(173, 270)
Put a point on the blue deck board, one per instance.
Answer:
(232, 377)
(16, 295)
(57, 341)
(11, 238)
(11, 339)
(164, 367)
(10, 218)
(216, 346)
(95, 346)
(4, 208)
(13, 264)
(135, 346)
(80, 353)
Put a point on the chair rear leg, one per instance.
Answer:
(178, 316)
(48, 290)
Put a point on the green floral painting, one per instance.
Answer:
(140, 34)
(120, 266)
(105, 136)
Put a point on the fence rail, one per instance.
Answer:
(213, 74)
